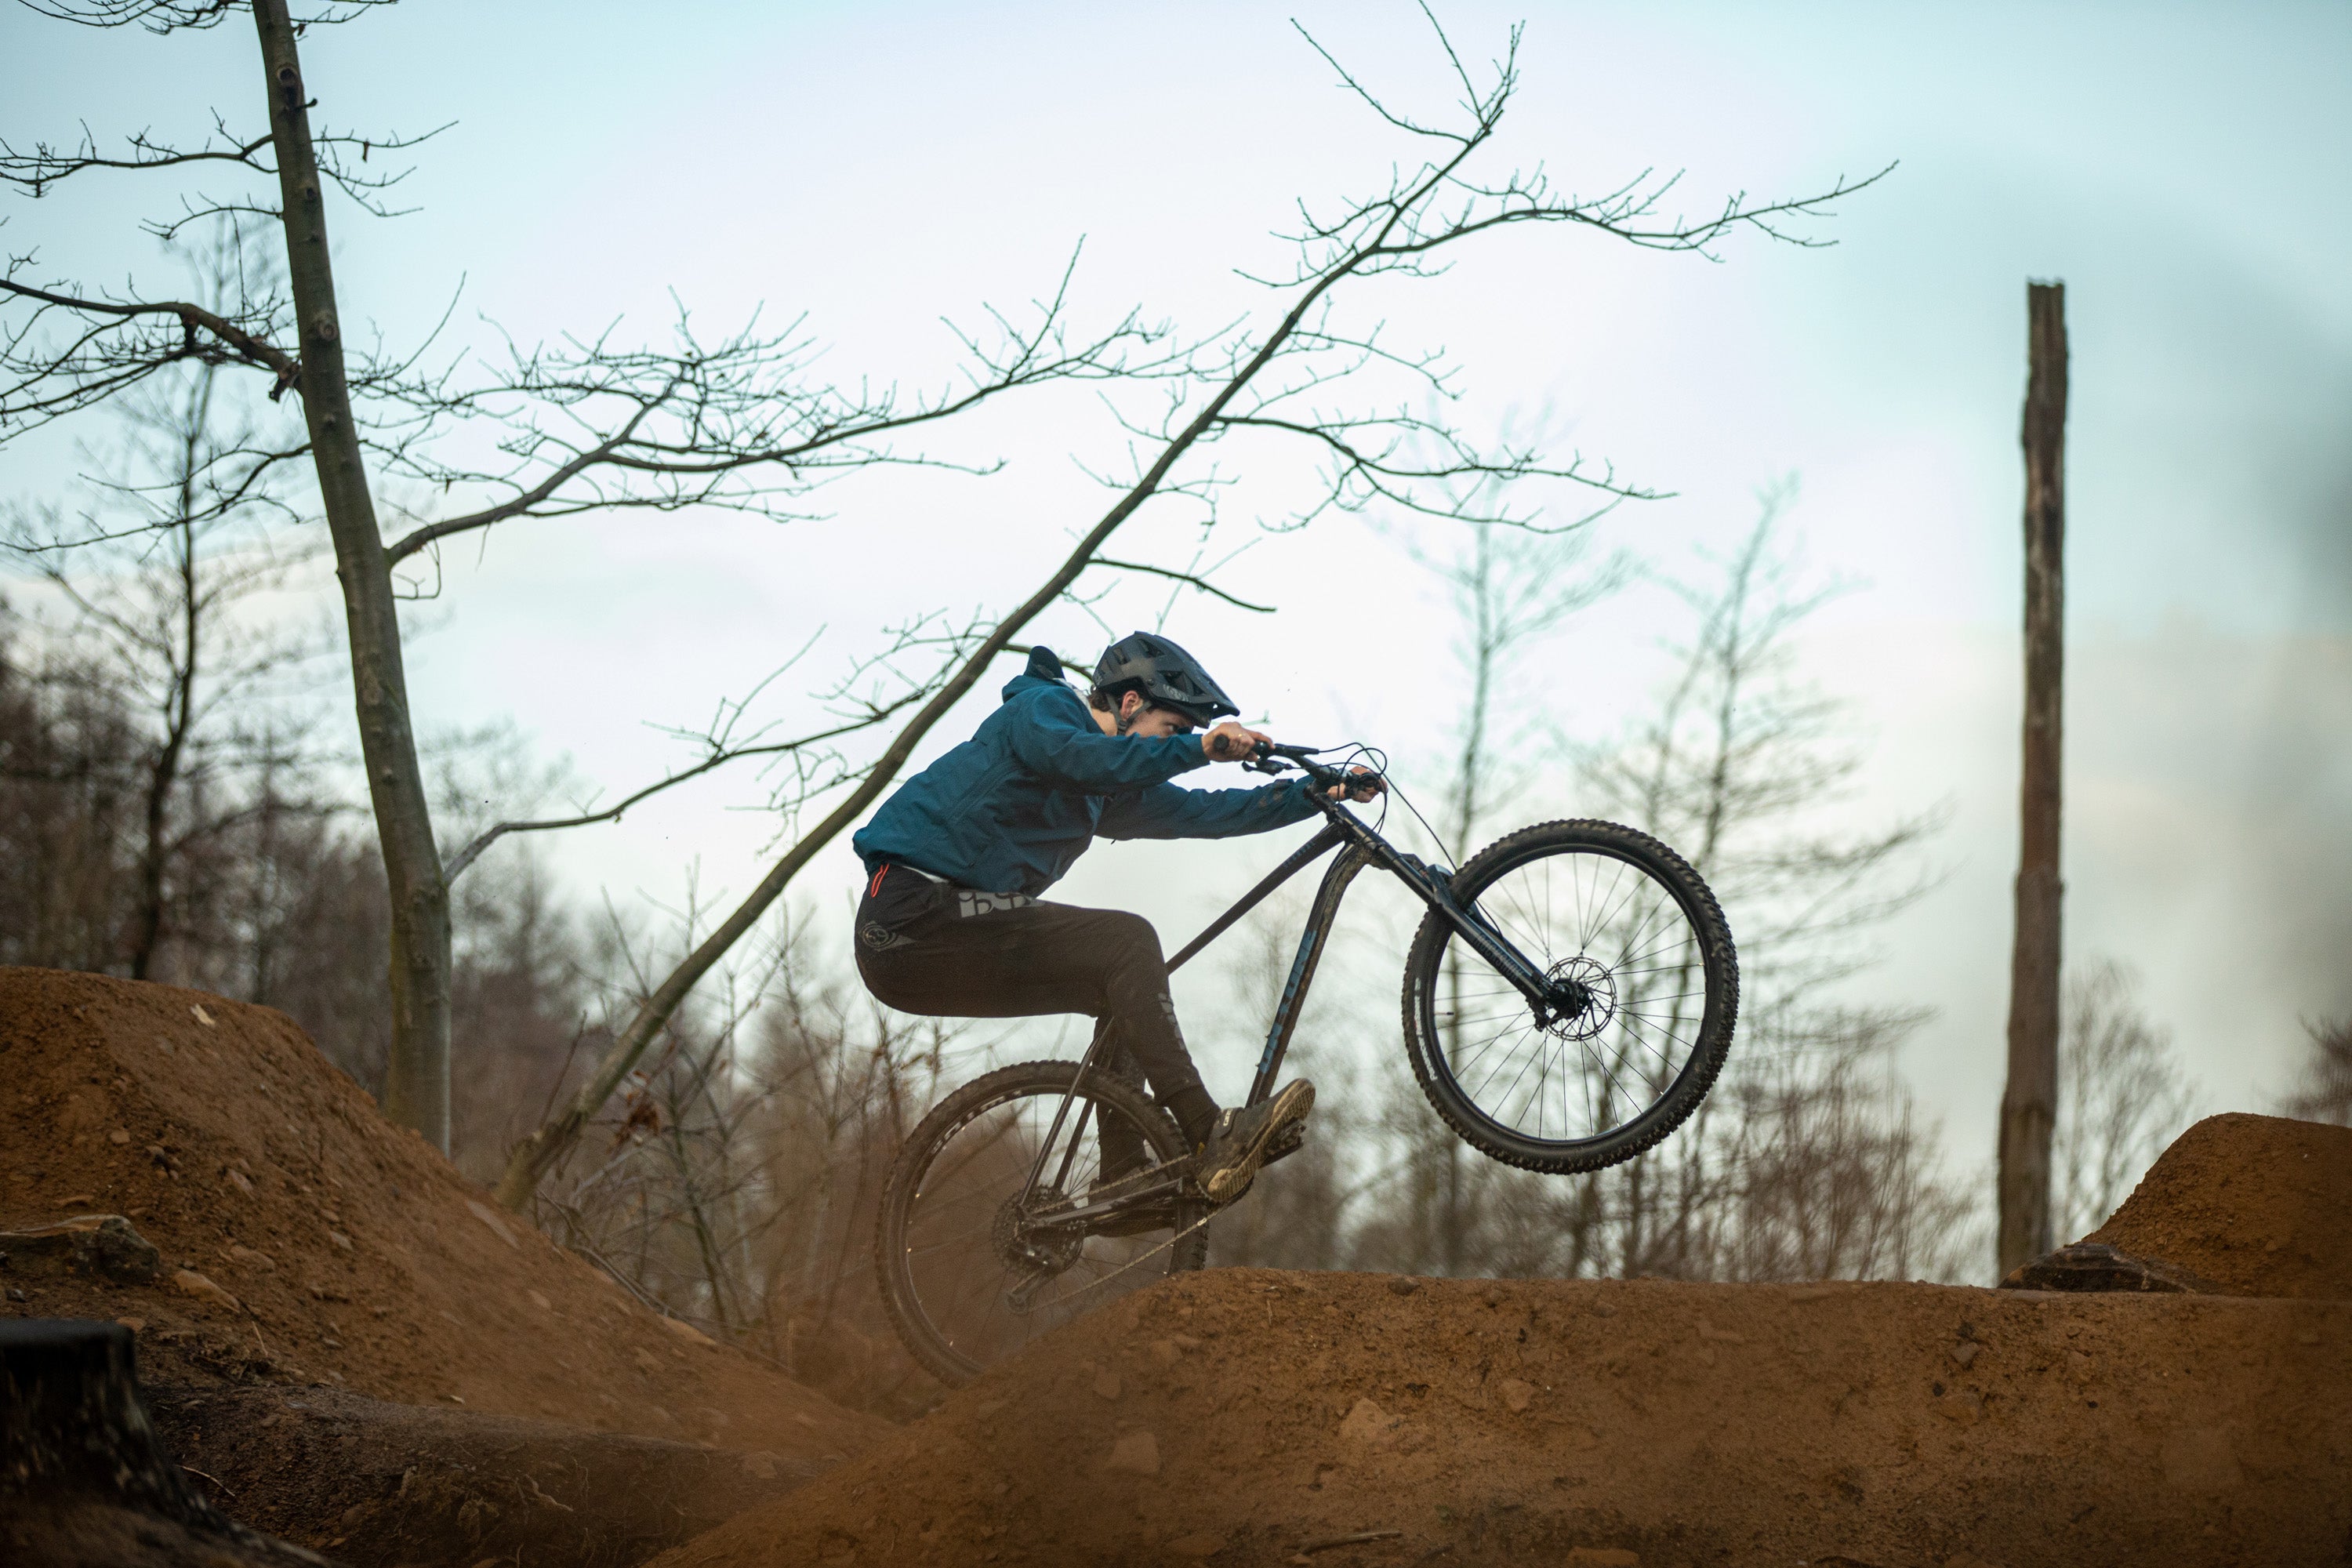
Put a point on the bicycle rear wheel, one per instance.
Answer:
(1645, 993)
(971, 1264)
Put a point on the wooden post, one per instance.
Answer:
(2029, 1108)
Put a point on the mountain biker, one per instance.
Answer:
(951, 923)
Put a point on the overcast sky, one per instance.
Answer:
(878, 167)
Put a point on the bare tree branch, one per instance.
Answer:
(1192, 579)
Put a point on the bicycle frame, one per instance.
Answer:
(1359, 845)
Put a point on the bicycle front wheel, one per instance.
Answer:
(1642, 991)
(972, 1263)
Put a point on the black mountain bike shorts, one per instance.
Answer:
(931, 947)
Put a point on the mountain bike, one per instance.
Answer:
(1569, 999)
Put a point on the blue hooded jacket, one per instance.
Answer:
(1010, 810)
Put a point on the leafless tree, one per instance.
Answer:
(156, 568)
(1807, 1160)
(743, 422)
(2121, 1096)
(69, 756)
(2325, 1093)
(1279, 381)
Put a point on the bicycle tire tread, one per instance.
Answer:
(1690, 1087)
(911, 1161)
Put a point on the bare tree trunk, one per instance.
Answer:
(416, 1079)
(2029, 1109)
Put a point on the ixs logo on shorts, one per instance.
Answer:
(970, 901)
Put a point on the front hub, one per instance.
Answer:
(1583, 998)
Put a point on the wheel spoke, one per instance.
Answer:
(1629, 941)
(962, 1241)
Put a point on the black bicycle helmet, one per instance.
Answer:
(1165, 674)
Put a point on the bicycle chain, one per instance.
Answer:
(1139, 1260)
(1288, 1146)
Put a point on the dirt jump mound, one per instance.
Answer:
(269, 1226)
(1246, 1416)
(2259, 1206)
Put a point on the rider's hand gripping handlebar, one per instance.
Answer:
(1272, 758)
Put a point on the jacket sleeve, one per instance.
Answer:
(1169, 811)
(1055, 736)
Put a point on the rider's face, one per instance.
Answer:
(1135, 717)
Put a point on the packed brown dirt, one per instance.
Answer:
(376, 1484)
(82, 1532)
(2259, 1206)
(304, 1239)
(1246, 1417)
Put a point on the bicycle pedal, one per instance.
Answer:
(1288, 1141)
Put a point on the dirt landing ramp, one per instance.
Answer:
(375, 1485)
(1243, 1417)
(2259, 1206)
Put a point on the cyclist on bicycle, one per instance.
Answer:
(951, 924)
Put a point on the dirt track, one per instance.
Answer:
(1234, 1416)
(1242, 1416)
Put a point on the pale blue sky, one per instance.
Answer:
(880, 166)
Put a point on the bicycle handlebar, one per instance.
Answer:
(1270, 757)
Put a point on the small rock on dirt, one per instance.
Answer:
(1107, 1384)
(687, 1332)
(1164, 1352)
(1403, 1285)
(104, 1245)
(1518, 1393)
(2095, 1266)
(1365, 1421)
(1964, 1354)
(191, 1283)
(1137, 1453)
(489, 1217)
(1194, 1548)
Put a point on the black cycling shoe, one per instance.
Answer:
(1238, 1143)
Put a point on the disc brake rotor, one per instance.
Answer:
(1590, 980)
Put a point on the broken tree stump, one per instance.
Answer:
(84, 1480)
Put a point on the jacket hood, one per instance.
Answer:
(1044, 669)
